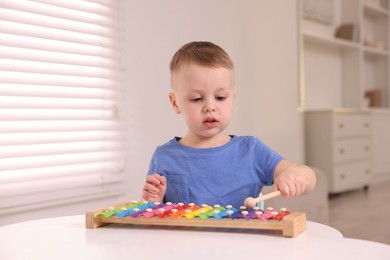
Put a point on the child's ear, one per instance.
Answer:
(172, 99)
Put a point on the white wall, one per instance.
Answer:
(261, 38)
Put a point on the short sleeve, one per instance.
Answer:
(265, 160)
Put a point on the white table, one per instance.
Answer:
(67, 238)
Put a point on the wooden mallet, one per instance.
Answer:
(251, 202)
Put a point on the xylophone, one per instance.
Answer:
(192, 215)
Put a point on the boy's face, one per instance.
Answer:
(204, 96)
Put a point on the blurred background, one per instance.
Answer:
(84, 99)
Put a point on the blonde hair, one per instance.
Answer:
(201, 53)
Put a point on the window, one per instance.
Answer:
(60, 139)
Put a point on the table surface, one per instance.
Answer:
(67, 238)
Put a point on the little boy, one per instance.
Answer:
(207, 165)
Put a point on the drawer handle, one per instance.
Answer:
(367, 148)
(342, 151)
(341, 125)
(342, 176)
(366, 125)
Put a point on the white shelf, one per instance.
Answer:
(338, 72)
(379, 110)
(374, 10)
(347, 78)
(331, 41)
(376, 52)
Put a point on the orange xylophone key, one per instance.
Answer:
(167, 210)
(183, 209)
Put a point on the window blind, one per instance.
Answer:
(60, 138)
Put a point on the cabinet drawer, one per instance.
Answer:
(351, 175)
(351, 125)
(351, 149)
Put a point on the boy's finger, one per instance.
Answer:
(284, 189)
(152, 195)
(151, 188)
(152, 180)
(160, 178)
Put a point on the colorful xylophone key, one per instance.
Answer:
(145, 209)
(180, 214)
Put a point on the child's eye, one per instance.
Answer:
(220, 98)
(196, 99)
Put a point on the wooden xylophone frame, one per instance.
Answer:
(290, 226)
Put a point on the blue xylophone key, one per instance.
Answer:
(124, 213)
(217, 212)
(237, 214)
(153, 211)
(142, 209)
(225, 212)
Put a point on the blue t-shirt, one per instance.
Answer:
(222, 175)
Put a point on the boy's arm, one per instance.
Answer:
(293, 179)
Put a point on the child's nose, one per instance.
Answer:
(209, 107)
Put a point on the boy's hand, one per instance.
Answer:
(154, 188)
(290, 183)
(293, 179)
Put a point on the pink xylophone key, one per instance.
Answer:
(268, 214)
(141, 209)
(152, 211)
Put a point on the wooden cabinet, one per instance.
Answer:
(340, 143)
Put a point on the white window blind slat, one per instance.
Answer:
(57, 148)
(7, 52)
(55, 91)
(22, 41)
(102, 7)
(53, 68)
(55, 114)
(54, 80)
(58, 126)
(85, 11)
(9, 164)
(49, 33)
(60, 137)
(61, 171)
(54, 22)
(62, 103)
(57, 137)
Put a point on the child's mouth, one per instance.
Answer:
(210, 122)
